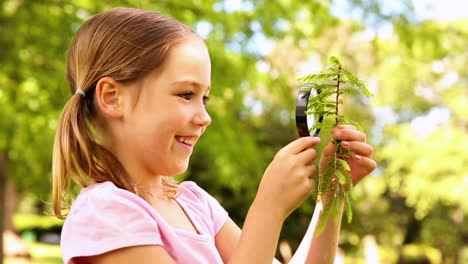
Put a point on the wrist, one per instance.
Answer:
(268, 210)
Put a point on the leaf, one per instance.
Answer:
(328, 104)
(323, 220)
(343, 164)
(336, 207)
(327, 175)
(349, 91)
(351, 191)
(324, 87)
(341, 177)
(344, 120)
(349, 210)
(334, 61)
(316, 77)
(330, 69)
(323, 125)
(357, 83)
(349, 181)
(346, 153)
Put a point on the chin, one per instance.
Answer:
(177, 170)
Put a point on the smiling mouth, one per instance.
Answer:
(190, 141)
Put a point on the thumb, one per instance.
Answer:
(329, 150)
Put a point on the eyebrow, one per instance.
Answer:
(191, 82)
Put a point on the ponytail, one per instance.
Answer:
(78, 157)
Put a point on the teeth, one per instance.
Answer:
(188, 141)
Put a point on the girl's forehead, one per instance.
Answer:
(189, 60)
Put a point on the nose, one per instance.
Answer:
(202, 118)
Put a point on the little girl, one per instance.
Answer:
(139, 82)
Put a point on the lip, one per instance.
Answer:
(188, 146)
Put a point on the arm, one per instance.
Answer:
(259, 238)
(321, 249)
(326, 243)
(228, 238)
(286, 183)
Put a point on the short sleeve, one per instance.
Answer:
(104, 219)
(217, 214)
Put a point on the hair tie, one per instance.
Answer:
(80, 92)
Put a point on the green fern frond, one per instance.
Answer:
(334, 61)
(349, 210)
(357, 83)
(334, 82)
(323, 220)
(345, 120)
(317, 77)
(336, 205)
(341, 177)
(323, 87)
(346, 153)
(342, 164)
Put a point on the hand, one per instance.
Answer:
(361, 163)
(288, 180)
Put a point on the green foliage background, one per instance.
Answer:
(417, 195)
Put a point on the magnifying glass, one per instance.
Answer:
(305, 123)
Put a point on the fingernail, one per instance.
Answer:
(316, 138)
(345, 144)
(358, 157)
(337, 133)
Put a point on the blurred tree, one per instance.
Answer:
(424, 152)
(32, 90)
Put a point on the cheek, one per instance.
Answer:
(177, 119)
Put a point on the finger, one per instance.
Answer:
(307, 156)
(329, 149)
(309, 171)
(345, 126)
(348, 135)
(368, 165)
(300, 144)
(360, 148)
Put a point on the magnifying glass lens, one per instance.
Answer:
(305, 123)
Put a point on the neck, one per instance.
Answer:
(152, 186)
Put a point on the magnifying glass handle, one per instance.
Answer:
(301, 117)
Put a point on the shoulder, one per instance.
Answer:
(106, 204)
(106, 195)
(104, 218)
(107, 200)
(190, 190)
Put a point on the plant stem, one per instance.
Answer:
(337, 143)
(337, 94)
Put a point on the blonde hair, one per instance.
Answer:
(122, 43)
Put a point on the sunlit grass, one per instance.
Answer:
(41, 254)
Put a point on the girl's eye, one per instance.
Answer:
(186, 95)
(205, 99)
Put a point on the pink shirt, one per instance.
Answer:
(104, 218)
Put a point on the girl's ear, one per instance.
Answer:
(109, 98)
